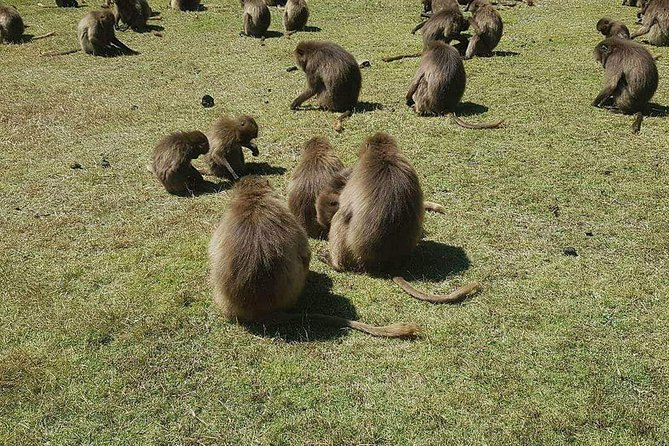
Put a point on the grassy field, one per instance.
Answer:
(107, 330)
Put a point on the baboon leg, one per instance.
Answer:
(412, 89)
(309, 93)
(474, 47)
(419, 26)
(642, 31)
(603, 97)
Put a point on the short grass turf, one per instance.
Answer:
(108, 333)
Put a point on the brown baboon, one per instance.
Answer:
(226, 138)
(327, 202)
(11, 25)
(440, 83)
(434, 6)
(185, 5)
(654, 22)
(172, 161)
(611, 28)
(295, 16)
(333, 76)
(446, 25)
(259, 257)
(630, 78)
(132, 13)
(486, 26)
(380, 216)
(311, 177)
(256, 18)
(97, 37)
(639, 3)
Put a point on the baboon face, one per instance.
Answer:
(247, 129)
(107, 18)
(301, 55)
(602, 52)
(198, 142)
(604, 26)
(472, 6)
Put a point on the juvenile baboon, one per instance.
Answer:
(654, 22)
(630, 78)
(446, 25)
(185, 5)
(312, 176)
(133, 14)
(486, 26)
(611, 28)
(11, 25)
(226, 138)
(256, 18)
(295, 16)
(440, 83)
(333, 76)
(172, 161)
(259, 258)
(380, 216)
(327, 202)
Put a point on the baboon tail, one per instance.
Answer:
(398, 330)
(456, 296)
(434, 207)
(636, 126)
(468, 125)
(403, 56)
(62, 53)
(52, 33)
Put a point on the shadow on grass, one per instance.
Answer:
(435, 261)
(657, 110)
(366, 107)
(504, 54)
(470, 109)
(264, 169)
(317, 297)
(311, 29)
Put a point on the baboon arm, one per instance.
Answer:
(419, 26)
(309, 93)
(641, 31)
(474, 26)
(472, 47)
(607, 91)
(412, 89)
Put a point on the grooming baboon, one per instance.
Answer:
(11, 25)
(172, 161)
(630, 78)
(654, 22)
(434, 6)
(295, 16)
(226, 138)
(440, 84)
(333, 76)
(312, 176)
(133, 14)
(486, 27)
(380, 216)
(446, 25)
(97, 37)
(259, 257)
(185, 5)
(327, 202)
(611, 28)
(256, 18)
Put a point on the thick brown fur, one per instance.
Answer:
(97, 37)
(172, 161)
(440, 84)
(132, 13)
(327, 203)
(226, 138)
(630, 77)
(445, 25)
(11, 25)
(611, 28)
(380, 216)
(295, 16)
(639, 3)
(333, 76)
(654, 22)
(486, 27)
(319, 165)
(256, 17)
(185, 5)
(259, 258)
(435, 6)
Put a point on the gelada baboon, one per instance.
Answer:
(434, 6)
(259, 258)
(11, 25)
(439, 84)
(630, 78)
(172, 161)
(226, 138)
(654, 22)
(380, 216)
(295, 16)
(133, 14)
(185, 5)
(446, 25)
(333, 76)
(256, 18)
(486, 27)
(327, 202)
(611, 28)
(319, 165)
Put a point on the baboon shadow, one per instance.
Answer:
(200, 8)
(273, 34)
(264, 169)
(366, 107)
(317, 297)
(434, 262)
(311, 29)
(209, 187)
(470, 109)
(657, 110)
(504, 54)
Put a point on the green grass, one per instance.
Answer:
(107, 330)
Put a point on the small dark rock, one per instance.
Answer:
(608, 172)
(207, 101)
(134, 108)
(364, 63)
(293, 68)
(75, 166)
(570, 251)
(589, 233)
(555, 210)
(104, 163)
